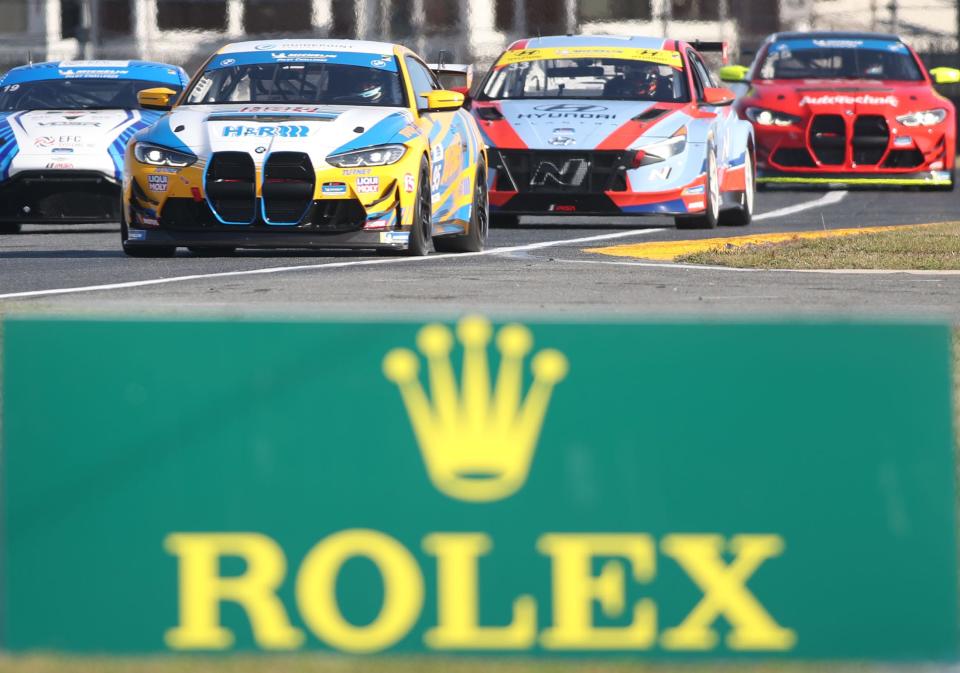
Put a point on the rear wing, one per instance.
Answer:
(718, 47)
(457, 76)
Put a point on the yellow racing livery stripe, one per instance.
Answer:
(661, 56)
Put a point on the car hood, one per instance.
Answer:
(809, 96)
(58, 132)
(262, 129)
(570, 124)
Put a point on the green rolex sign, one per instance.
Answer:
(544, 489)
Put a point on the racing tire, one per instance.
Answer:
(711, 215)
(420, 231)
(211, 252)
(742, 215)
(142, 250)
(476, 235)
(501, 221)
(9, 228)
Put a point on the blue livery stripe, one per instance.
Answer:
(382, 132)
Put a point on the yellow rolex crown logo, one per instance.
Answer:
(477, 441)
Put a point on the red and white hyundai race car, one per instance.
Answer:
(847, 109)
(600, 125)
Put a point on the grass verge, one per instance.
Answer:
(929, 247)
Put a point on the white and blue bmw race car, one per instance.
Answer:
(63, 132)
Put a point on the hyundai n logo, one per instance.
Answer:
(569, 174)
(570, 107)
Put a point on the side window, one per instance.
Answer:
(422, 80)
(701, 75)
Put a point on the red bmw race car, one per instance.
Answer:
(847, 109)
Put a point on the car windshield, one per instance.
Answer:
(298, 83)
(839, 59)
(75, 94)
(592, 78)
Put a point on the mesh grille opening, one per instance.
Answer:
(231, 188)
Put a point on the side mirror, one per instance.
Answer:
(160, 98)
(946, 75)
(734, 73)
(718, 96)
(442, 100)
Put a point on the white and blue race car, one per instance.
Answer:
(63, 132)
(607, 125)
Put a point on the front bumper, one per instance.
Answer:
(551, 182)
(937, 179)
(327, 223)
(385, 240)
(59, 197)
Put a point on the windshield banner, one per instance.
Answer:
(378, 61)
(659, 56)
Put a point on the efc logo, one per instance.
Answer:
(280, 131)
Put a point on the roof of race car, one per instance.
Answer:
(834, 35)
(360, 46)
(141, 70)
(635, 42)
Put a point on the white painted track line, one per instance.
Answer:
(828, 199)
(825, 200)
(330, 265)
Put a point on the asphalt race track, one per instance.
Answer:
(537, 268)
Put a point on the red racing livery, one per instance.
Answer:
(847, 108)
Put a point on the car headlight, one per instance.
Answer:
(657, 152)
(383, 155)
(155, 155)
(925, 118)
(770, 117)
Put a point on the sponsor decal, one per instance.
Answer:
(157, 183)
(69, 123)
(334, 188)
(269, 131)
(568, 111)
(378, 63)
(136, 235)
(49, 141)
(94, 74)
(695, 205)
(408, 131)
(562, 141)
(357, 171)
(303, 56)
(839, 44)
(228, 61)
(659, 56)
(394, 236)
(60, 165)
(284, 108)
(166, 169)
(839, 99)
(694, 190)
(368, 184)
(409, 184)
(62, 150)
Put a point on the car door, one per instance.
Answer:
(448, 142)
(725, 118)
